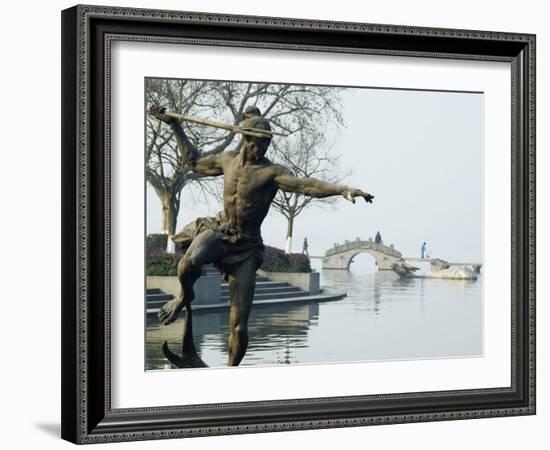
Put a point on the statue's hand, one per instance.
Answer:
(368, 197)
(159, 113)
(350, 195)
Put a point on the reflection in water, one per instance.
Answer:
(276, 330)
(382, 318)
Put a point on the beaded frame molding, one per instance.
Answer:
(87, 34)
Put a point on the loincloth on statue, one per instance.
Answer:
(237, 247)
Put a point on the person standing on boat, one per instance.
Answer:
(423, 251)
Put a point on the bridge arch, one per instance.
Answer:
(363, 262)
(340, 256)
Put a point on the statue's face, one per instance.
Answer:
(255, 148)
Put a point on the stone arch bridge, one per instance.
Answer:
(341, 255)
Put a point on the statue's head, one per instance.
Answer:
(254, 148)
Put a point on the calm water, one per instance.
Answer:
(382, 318)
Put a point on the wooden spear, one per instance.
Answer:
(257, 132)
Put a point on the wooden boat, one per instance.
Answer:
(404, 269)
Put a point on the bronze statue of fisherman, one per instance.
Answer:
(232, 240)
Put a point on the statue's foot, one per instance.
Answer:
(189, 358)
(169, 311)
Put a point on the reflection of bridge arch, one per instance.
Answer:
(340, 256)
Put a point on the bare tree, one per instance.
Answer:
(297, 109)
(308, 154)
(166, 170)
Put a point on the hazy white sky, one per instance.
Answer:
(419, 153)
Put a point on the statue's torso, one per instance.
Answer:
(248, 193)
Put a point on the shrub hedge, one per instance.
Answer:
(160, 263)
(156, 242)
(276, 260)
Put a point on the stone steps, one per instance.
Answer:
(306, 298)
(162, 297)
(287, 292)
(265, 290)
(261, 286)
(154, 291)
(272, 295)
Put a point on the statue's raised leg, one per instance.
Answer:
(205, 248)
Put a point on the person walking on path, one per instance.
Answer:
(305, 247)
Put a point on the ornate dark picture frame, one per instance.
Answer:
(87, 34)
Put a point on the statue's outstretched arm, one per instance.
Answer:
(209, 165)
(317, 188)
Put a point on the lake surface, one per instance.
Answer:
(382, 318)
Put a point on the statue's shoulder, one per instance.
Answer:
(229, 154)
(278, 169)
(270, 165)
